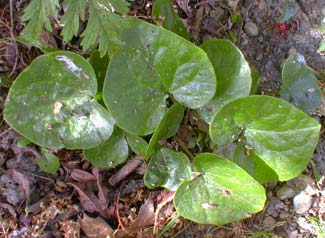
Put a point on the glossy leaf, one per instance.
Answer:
(137, 144)
(49, 163)
(151, 64)
(167, 169)
(51, 104)
(281, 135)
(111, 153)
(164, 14)
(299, 84)
(252, 164)
(232, 72)
(167, 127)
(222, 193)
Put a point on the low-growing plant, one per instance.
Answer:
(153, 77)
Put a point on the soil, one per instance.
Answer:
(80, 198)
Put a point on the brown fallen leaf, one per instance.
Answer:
(9, 208)
(89, 201)
(128, 168)
(95, 227)
(86, 201)
(23, 181)
(145, 218)
(82, 176)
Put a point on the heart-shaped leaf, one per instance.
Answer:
(111, 153)
(167, 169)
(299, 84)
(164, 13)
(222, 193)
(167, 127)
(137, 144)
(232, 72)
(281, 135)
(152, 64)
(51, 103)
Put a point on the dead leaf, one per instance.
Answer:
(95, 227)
(85, 200)
(9, 208)
(82, 176)
(102, 191)
(145, 218)
(23, 181)
(89, 201)
(128, 168)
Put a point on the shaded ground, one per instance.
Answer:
(35, 204)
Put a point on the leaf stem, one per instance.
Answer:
(184, 147)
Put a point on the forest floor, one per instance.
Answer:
(70, 203)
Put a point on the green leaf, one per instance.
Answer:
(167, 127)
(232, 72)
(167, 169)
(163, 10)
(51, 103)
(23, 142)
(103, 28)
(151, 64)
(49, 163)
(73, 11)
(281, 135)
(299, 84)
(100, 65)
(111, 153)
(222, 193)
(137, 144)
(255, 166)
(289, 9)
(38, 13)
(255, 80)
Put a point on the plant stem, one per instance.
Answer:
(184, 147)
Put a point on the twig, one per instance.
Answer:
(5, 132)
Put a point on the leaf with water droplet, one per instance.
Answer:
(153, 63)
(232, 72)
(111, 153)
(51, 103)
(280, 134)
(299, 84)
(167, 169)
(222, 193)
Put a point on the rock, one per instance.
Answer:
(302, 202)
(300, 183)
(293, 234)
(285, 192)
(269, 223)
(251, 29)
